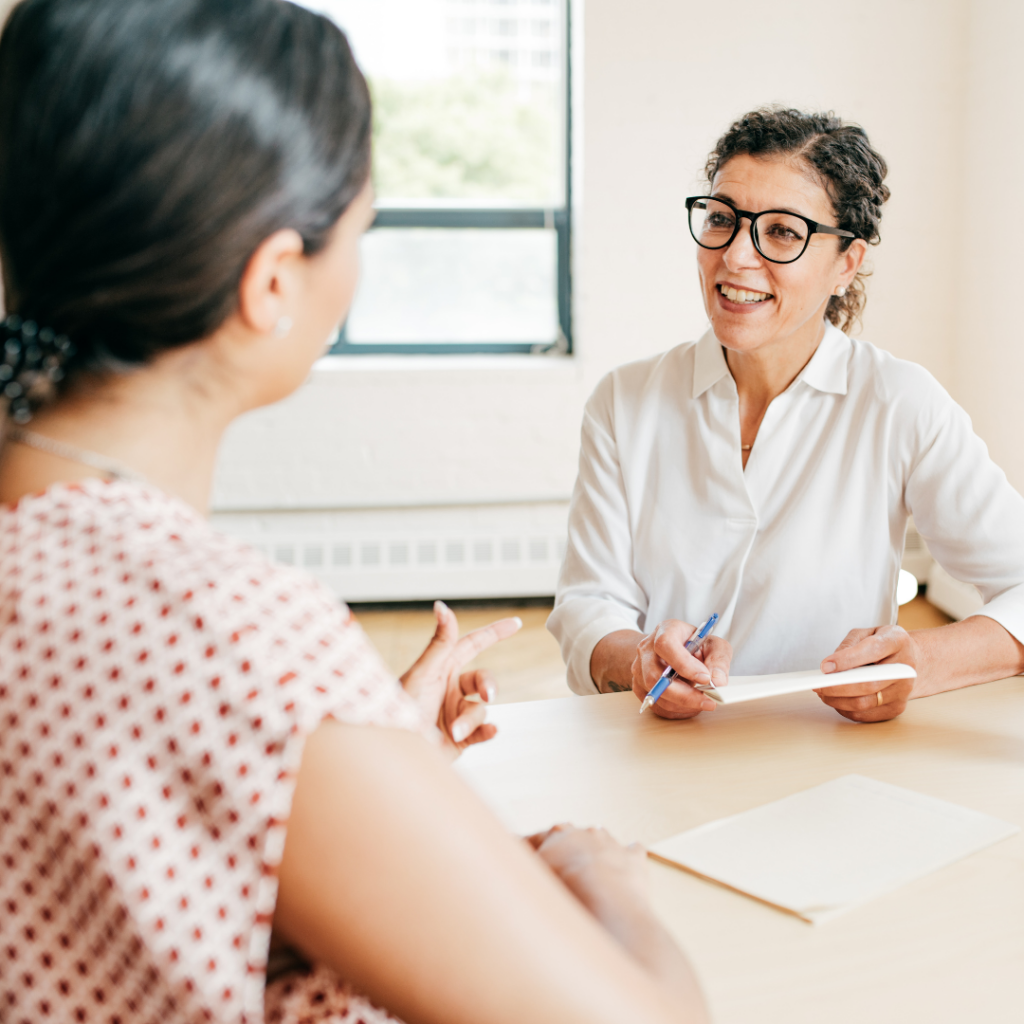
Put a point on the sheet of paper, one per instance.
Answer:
(742, 688)
(828, 849)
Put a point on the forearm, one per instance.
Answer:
(468, 928)
(966, 653)
(611, 664)
(634, 926)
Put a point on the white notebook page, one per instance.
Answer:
(743, 688)
(825, 850)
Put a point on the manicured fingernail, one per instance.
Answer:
(460, 730)
(828, 666)
(492, 692)
(718, 676)
(703, 678)
(519, 622)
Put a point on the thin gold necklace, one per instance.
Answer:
(109, 467)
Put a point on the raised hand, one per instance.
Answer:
(456, 700)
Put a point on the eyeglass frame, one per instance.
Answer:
(813, 227)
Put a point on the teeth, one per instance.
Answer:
(739, 295)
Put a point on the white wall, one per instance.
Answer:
(664, 79)
(935, 82)
(989, 349)
(661, 79)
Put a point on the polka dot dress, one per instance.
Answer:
(157, 681)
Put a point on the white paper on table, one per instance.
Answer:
(741, 688)
(828, 849)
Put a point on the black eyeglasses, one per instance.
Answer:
(778, 235)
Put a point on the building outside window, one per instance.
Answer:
(470, 250)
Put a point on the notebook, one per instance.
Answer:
(743, 688)
(823, 851)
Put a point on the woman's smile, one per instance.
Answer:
(734, 298)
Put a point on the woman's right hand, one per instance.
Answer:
(456, 700)
(610, 881)
(666, 646)
(600, 872)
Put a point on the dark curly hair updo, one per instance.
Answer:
(147, 148)
(841, 159)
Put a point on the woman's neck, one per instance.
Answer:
(154, 421)
(762, 374)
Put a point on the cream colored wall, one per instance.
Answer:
(665, 79)
(660, 80)
(935, 82)
(989, 350)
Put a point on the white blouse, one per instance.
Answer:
(805, 543)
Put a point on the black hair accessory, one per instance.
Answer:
(33, 363)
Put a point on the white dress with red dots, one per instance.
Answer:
(157, 681)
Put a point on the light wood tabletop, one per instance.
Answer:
(947, 948)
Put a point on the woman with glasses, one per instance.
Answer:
(217, 804)
(767, 471)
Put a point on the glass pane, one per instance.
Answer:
(456, 285)
(468, 97)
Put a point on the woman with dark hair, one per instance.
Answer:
(767, 472)
(216, 803)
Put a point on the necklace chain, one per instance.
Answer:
(110, 467)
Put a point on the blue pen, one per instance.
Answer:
(693, 645)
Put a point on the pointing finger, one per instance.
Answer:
(480, 639)
(442, 643)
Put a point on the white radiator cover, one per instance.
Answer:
(416, 554)
(422, 553)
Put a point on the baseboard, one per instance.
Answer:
(456, 551)
(414, 554)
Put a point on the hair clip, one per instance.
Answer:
(33, 364)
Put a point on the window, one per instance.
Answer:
(470, 249)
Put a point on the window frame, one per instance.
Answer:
(557, 218)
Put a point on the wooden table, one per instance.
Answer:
(948, 948)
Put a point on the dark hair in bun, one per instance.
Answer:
(147, 147)
(841, 158)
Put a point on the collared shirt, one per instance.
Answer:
(804, 544)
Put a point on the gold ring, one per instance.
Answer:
(879, 698)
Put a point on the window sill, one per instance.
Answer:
(330, 366)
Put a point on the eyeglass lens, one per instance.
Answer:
(780, 237)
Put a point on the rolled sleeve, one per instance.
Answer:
(969, 514)
(597, 593)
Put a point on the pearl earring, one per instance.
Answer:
(840, 291)
(284, 325)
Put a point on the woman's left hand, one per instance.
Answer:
(456, 700)
(871, 702)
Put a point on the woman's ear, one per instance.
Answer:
(270, 285)
(851, 261)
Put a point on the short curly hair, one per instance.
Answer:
(843, 161)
